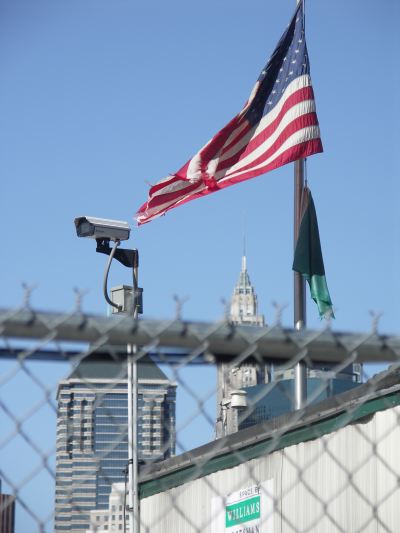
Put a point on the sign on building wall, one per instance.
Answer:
(248, 510)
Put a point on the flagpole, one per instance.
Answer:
(300, 370)
(299, 281)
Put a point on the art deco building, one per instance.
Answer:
(236, 381)
(92, 440)
(231, 377)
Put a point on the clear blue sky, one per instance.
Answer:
(100, 97)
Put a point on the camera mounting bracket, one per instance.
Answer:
(128, 258)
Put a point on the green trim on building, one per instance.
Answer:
(266, 446)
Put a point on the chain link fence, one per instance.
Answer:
(219, 445)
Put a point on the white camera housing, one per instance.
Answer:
(102, 228)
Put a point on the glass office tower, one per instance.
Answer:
(92, 433)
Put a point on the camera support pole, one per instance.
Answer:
(134, 522)
(129, 258)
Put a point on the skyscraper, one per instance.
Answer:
(92, 425)
(249, 380)
(243, 311)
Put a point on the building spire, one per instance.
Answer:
(244, 304)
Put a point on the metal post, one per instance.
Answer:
(300, 371)
(132, 377)
(131, 442)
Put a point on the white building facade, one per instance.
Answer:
(112, 518)
(335, 469)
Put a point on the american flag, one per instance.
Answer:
(277, 125)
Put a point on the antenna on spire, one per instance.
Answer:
(244, 233)
(244, 262)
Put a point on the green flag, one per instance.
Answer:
(308, 256)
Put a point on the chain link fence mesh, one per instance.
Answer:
(220, 447)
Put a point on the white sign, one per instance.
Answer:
(249, 510)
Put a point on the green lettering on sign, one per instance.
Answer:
(241, 512)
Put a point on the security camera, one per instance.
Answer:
(102, 228)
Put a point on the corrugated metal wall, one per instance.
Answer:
(347, 481)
